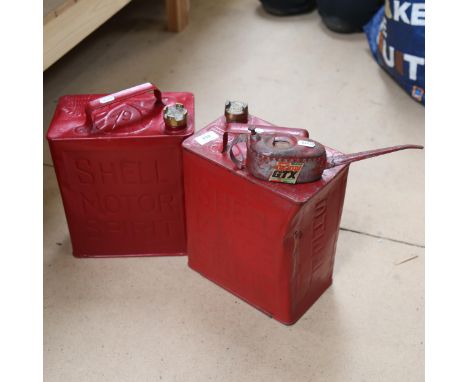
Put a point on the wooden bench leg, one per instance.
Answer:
(177, 14)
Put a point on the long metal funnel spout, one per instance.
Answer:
(339, 160)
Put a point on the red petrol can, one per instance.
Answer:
(118, 161)
(271, 244)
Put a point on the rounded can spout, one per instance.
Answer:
(338, 160)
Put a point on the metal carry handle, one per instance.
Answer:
(240, 163)
(242, 128)
(118, 98)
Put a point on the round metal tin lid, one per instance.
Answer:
(236, 111)
(175, 116)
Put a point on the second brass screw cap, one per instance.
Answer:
(236, 111)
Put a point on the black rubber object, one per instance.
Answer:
(347, 16)
(288, 7)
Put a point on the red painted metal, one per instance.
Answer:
(271, 244)
(119, 168)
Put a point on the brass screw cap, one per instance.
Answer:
(236, 111)
(175, 116)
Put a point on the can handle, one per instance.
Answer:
(119, 97)
(240, 163)
(241, 128)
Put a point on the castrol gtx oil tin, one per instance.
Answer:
(118, 163)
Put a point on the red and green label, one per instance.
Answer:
(286, 172)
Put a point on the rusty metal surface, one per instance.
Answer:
(284, 157)
(267, 156)
(245, 128)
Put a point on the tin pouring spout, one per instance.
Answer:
(338, 160)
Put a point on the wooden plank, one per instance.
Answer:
(54, 8)
(177, 12)
(71, 22)
(49, 6)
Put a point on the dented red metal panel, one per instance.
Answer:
(271, 244)
(119, 168)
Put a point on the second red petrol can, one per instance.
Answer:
(118, 163)
(271, 244)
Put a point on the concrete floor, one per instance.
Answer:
(146, 319)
